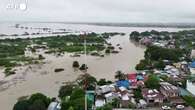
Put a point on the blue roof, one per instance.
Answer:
(192, 65)
(140, 77)
(123, 83)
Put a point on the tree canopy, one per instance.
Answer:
(153, 82)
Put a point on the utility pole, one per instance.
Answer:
(85, 60)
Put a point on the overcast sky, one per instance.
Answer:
(101, 10)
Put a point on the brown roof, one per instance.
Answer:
(177, 100)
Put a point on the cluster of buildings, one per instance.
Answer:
(124, 92)
(158, 41)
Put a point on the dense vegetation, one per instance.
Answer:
(12, 51)
(35, 102)
(154, 57)
(158, 53)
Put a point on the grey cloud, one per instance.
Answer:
(103, 11)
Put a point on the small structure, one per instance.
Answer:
(180, 107)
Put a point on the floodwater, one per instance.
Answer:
(42, 78)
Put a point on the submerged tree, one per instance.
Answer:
(75, 64)
(83, 67)
(120, 75)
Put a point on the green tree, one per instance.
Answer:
(138, 94)
(116, 103)
(77, 93)
(40, 97)
(143, 65)
(102, 82)
(21, 105)
(65, 91)
(190, 100)
(87, 81)
(159, 65)
(70, 108)
(152, 82)
(38, 105)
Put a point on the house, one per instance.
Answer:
(192, 67)
(171, 70)
(191, 87)
(169, 90)
(152, 96)
(136, 80)
(105, 89)
(177, 101)
(142, 104)
(100, 101)
(54, 106)
(110, 96)
(123, 83)
(146, 41)
(125, 99)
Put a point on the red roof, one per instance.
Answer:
(132, 76)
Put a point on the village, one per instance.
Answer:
(160, 87)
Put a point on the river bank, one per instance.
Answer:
(42, 78)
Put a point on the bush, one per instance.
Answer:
(75, 64)
(41, 57)
(8, 71)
